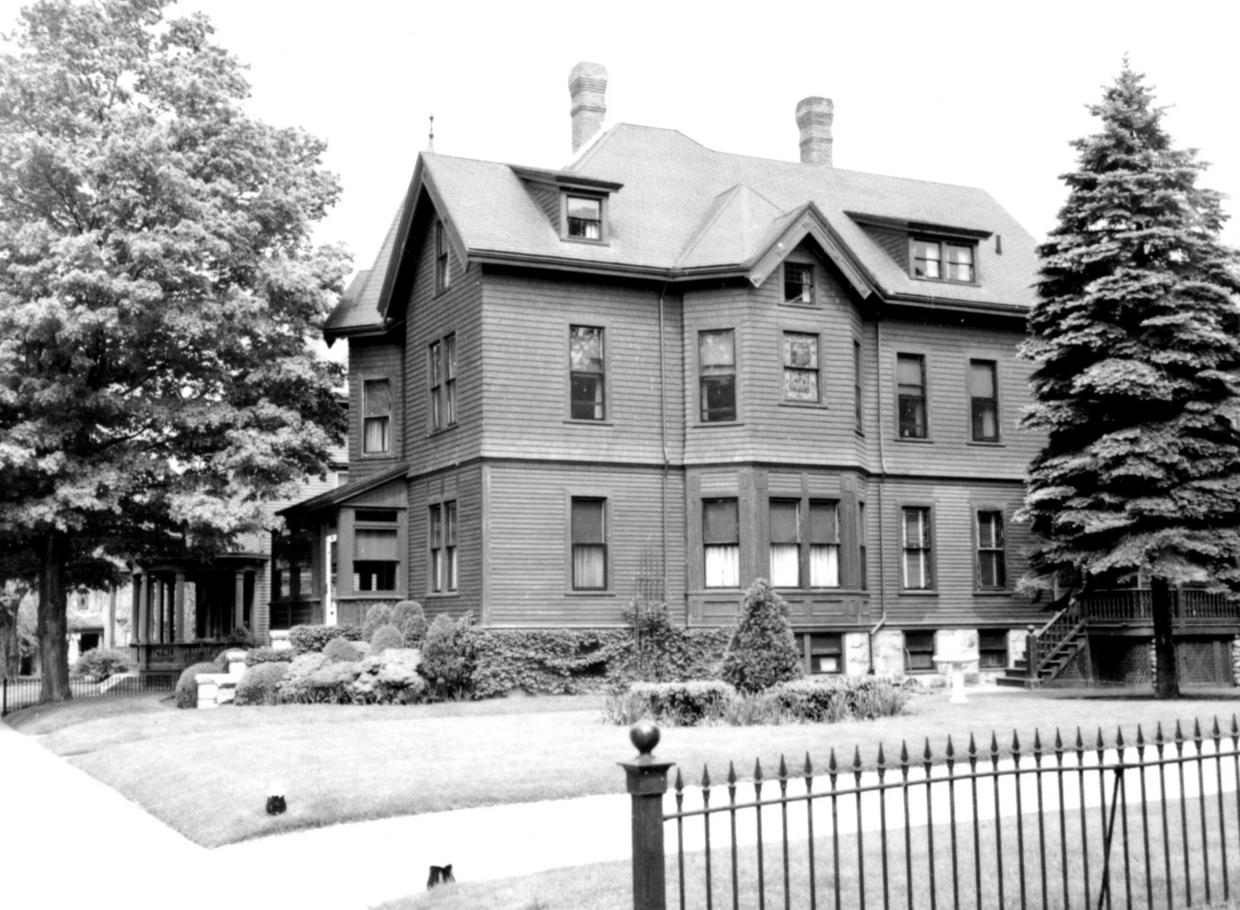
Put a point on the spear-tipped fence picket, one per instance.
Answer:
(1085, 822)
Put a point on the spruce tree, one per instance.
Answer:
(1136, 335)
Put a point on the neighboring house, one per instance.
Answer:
(669, 371)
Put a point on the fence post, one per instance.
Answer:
(647, 782)
(1031, 655)
(4, 699)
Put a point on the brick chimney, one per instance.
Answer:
(814, 116)
(586, 84)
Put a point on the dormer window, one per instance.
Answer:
(583, 217)
(798, 282)
(943, 260)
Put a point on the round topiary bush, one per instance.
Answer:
(187, 684)
(385, 637)
(763, 650)
(341, 649)
(260, 684)
(408, 617)
(377, 616)
(446, 659)
(100, 663)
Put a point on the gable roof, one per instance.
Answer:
(677, 210)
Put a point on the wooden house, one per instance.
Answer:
(666, 371)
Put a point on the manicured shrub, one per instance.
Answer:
(256, 656)
(683, 704)
(390, 678)
(447, 656)
(385, 637)
(260, 684)
(763, 650)
(408, 617)
(100, 663)
(187, 685)
(341, 649)
(830, 699)
(377, 616)
(312, 678)
(542, 661)
(305, 639)
(657, 650)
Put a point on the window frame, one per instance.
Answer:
(374, 523)
(858, 386)
(388, 418)
(924, 397)
(441, 383)
(814, 371)
(1000, 550)
(982, 649)
(924, 546)
(925, 656)
(719, 372)
(443, 264)
(442, 568)
(600, 545)
(735, 544)
(974, 400)
(601, 404)
(806, 269)
(941, 246)
(863, 555)
(566, 220)
(830, 644)
(804, 542)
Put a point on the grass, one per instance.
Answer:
(351, 763)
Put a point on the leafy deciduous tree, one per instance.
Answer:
(158, 287)
(1136, 335)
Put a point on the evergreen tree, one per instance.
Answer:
(158, 290)
(1136, 335)
(763, 651)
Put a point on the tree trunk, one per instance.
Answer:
(10, 656)
(1166, 672)
(52, 629)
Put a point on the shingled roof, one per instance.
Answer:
(683, 210)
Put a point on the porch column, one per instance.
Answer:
(109, 621)
(159, 609)
(239, 600)
(142, 608)
(185, 616)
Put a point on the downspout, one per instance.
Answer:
(663, 442)
(882, 466)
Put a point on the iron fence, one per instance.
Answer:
(24, 691)
(1149, 822)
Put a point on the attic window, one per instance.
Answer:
(798, 282)
(944, 260)
(583, 218)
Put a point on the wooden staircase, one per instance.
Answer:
(1048, 650)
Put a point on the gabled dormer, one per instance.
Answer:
(576, 206)
(930, 253)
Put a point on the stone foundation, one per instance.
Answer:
(856, 653)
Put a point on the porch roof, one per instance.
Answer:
(340, 495)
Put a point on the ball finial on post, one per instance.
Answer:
(645, 736)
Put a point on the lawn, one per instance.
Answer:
(351, 763)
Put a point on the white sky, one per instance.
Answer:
(980, 93)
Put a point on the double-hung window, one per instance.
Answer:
(943, 260)
(798, 282)
(442, 382)
(983, 401)
(586, 373)
(583, 217)
(443, 546)
(376, 416)
(721, 543)
(911, 395)
(824, 545)
(918, 574)
(863, 566)
(717, 374)
(785, 543)
(376, 550)
(800, 367)
(589, 542)
(991, 562)
(443, 273)
(804, 550)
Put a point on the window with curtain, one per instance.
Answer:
(583, 217)
(376, 558)
(589, 542)
(911, 395)
(991, 568)
(824, 545)
(863, 565)
(586, 374)
(917, 574)
(721, 543)
(376, 416)
(983, 400)
(942, 260)
(785, 517)
(717, 375)
(798, 282)
(800, 367)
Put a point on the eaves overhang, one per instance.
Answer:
(341, 495)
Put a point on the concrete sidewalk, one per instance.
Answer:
(68, 841)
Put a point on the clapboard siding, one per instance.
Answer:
(529, 580)
(948, 450)
(431, 317)
(373, 360)
(464, 486)
(955, 599)
(525, 368)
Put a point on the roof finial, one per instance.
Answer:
(430, 137)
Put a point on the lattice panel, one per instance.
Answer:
(1120, 660)
(1202, 663)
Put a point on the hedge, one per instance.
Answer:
(305, 639)
(259, 685)
(256, 656)
(542, 661)
(187, 684)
